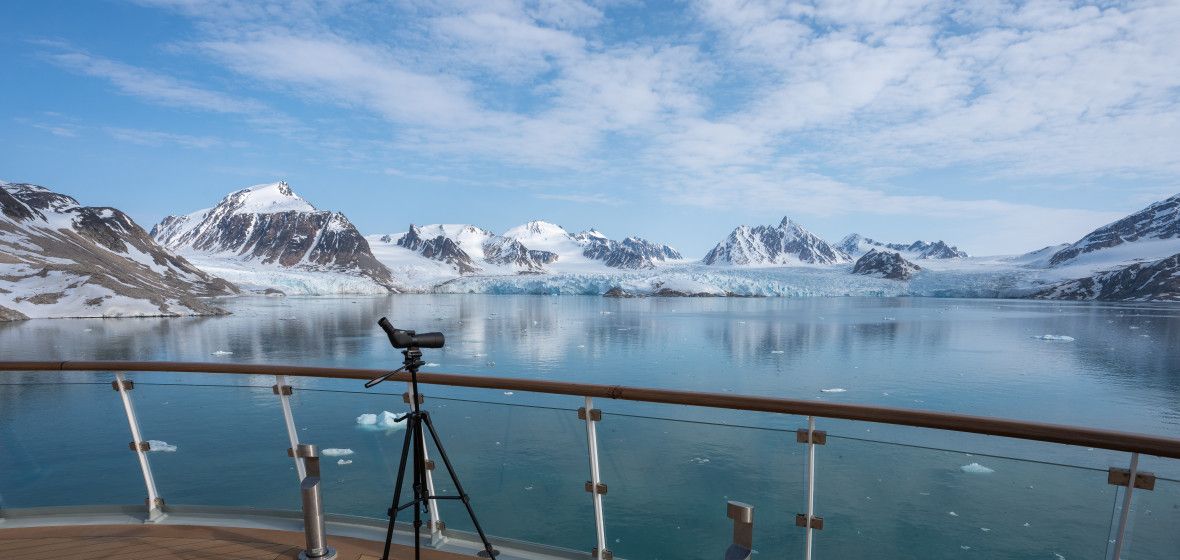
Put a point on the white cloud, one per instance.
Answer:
(154, 87)
(158, 138)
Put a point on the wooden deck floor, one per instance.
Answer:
(180, 542)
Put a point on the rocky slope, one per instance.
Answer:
(1151, 233)
(885, 264)
(267, 236)
(1152, 281)
(786, 243)
(61, 259)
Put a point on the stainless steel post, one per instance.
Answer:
(155, 503)
(810, 483)
(313, 506)
(1124, 515)
(595, 486)
(742, 515)
(284, 392)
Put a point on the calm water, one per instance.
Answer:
(669, 469)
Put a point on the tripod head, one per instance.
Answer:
(412, 344)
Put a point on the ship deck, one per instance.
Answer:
(181, 542)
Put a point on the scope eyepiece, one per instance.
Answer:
(401, 338)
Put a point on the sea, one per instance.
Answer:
(884, 492)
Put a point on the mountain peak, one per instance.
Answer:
(268, 198)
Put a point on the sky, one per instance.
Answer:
(1000, 127)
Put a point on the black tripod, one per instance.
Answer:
(416, 418)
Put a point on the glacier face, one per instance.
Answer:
(786, 243)
(267, 237)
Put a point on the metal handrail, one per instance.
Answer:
(1159, 446)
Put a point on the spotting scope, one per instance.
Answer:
(401, 338)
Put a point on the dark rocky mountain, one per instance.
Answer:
(61, 259)
(885, 264)
(632, 252)
(1159, 221)
(1151, 281)
(470, 249)
(855, 244)
(786, 243)
(271, 225)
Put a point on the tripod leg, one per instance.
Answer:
(397, 489)
(419, 486)
(442, 453)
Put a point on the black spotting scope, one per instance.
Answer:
(401, 338)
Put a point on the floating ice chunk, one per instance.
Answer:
(1058, 556)
(984, 529)
(161, 446)
(699, 460)
(344, 462)
(430, 364)
(953, 514)
(976, 468)
(529, 487)
(386, 419)
(776, 351)
(1058, 337)
(964, 547)
(223, 353)
(334, 452)
(834, 390)
(508, 393)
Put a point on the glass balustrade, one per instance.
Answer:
(525, 463)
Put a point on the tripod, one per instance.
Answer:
(415, 419)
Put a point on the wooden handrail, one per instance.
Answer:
(1159, 446)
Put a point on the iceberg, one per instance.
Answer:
(1059, 337)
(334, 452)
(161, 446)
(386, 420)
(976, 468)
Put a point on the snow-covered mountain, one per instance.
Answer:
(784, 244)
(1147, 235)
(1152, 281)
(591, 246)
(471, 249)
(885, 264)
(61, 259)
(269, 237)
(857, 245)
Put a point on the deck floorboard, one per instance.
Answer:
(181, 542)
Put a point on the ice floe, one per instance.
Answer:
(1058, 337)
(161, 446)
(976, 468)
(834, 390)
(386, 420)
(335, 452)
(344, 462)
(223, 353)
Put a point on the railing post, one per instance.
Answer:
(742, 515)
(1131, 478)
(595, 485)
(140, 446)
(283, 390)
(435, 525)
(313, 505)
(809, 520)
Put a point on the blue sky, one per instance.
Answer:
(999, 127)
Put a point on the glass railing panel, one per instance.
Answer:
(523, 466)
(668, 483)
(1153, 527)
(65, 444)
(225, 445)
(893, 501)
